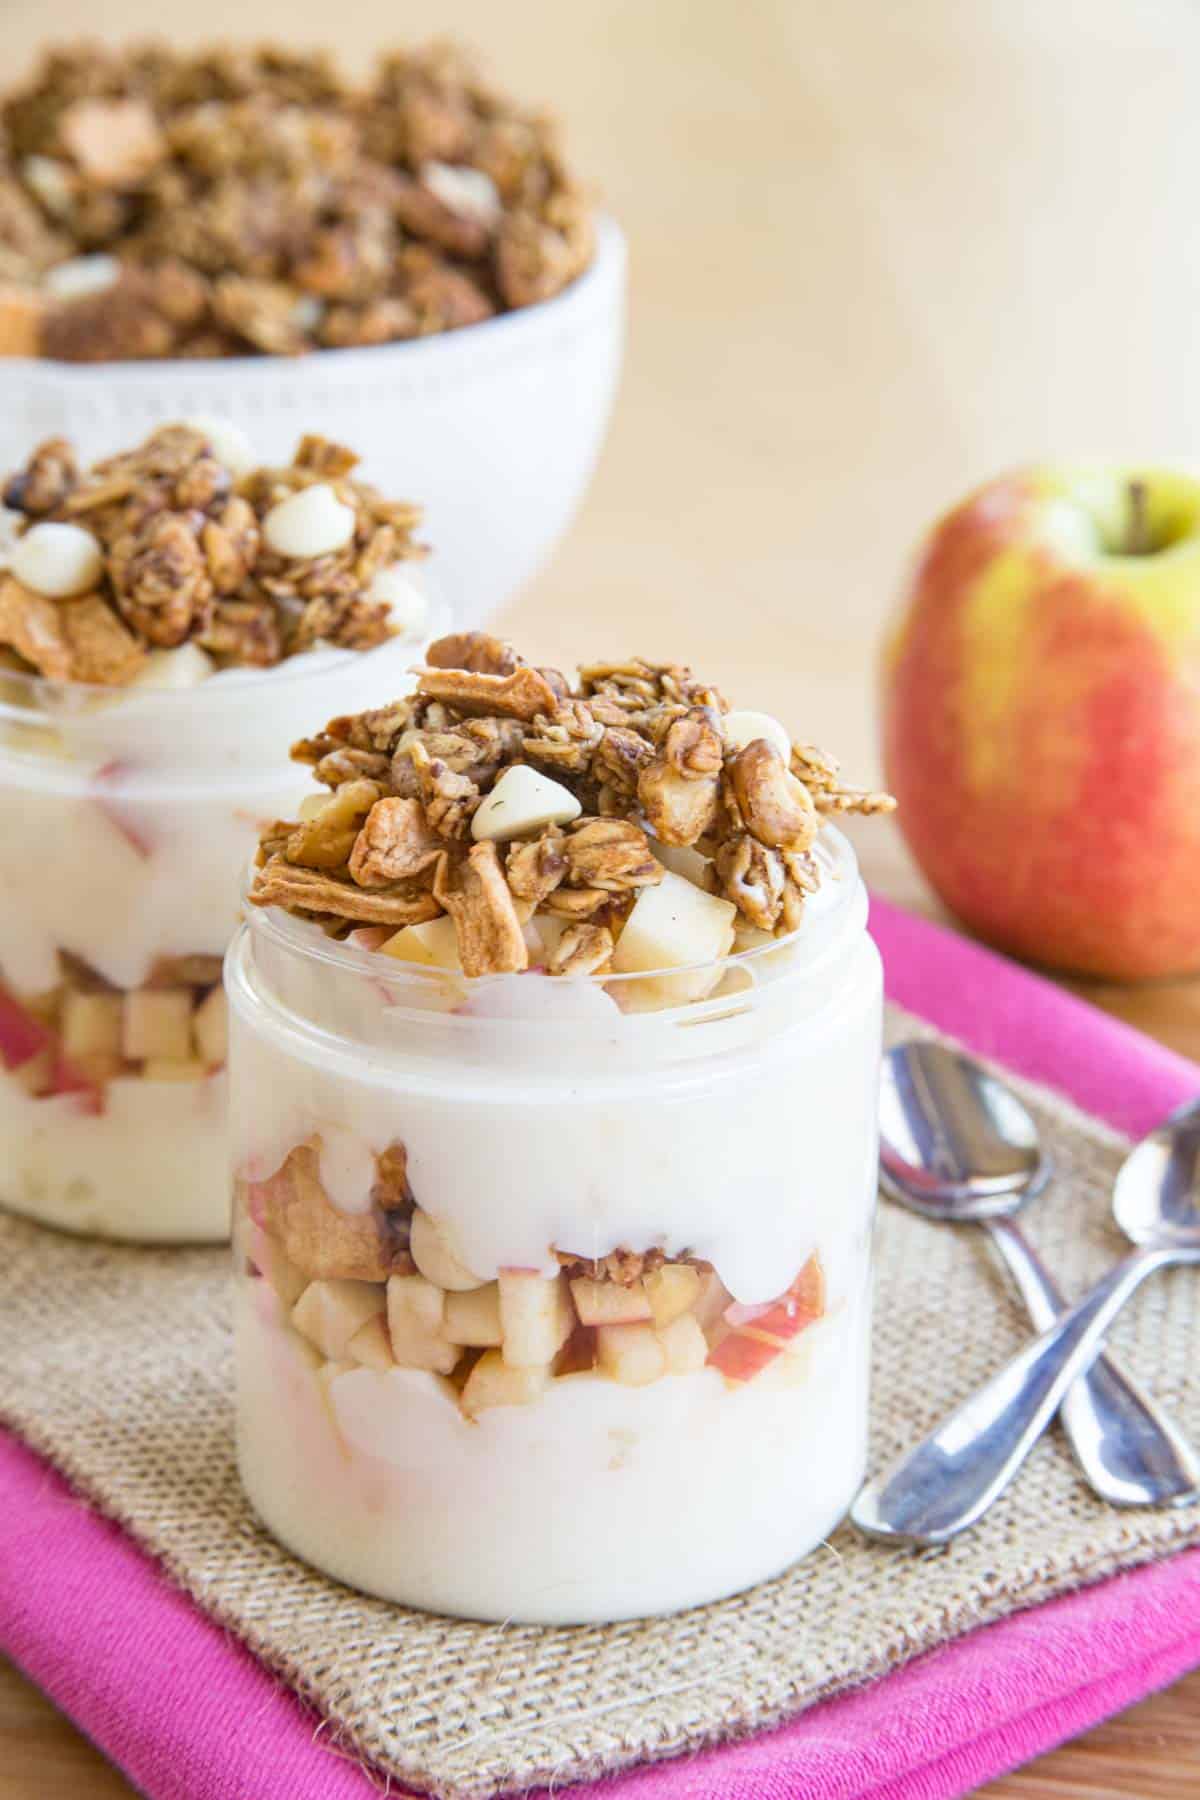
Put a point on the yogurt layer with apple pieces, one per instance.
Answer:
(164, 615)
(555, 1038)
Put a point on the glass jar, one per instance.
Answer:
(553, 1295)
(126, 820)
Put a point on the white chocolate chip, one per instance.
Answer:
(407, 602)
(311, 522)
(82, 275)
(57, 560)
(523, 801)
(185, 667)
(51, 182)
(741, 728)
(229, 442)
(468, 192)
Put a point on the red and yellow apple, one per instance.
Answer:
(1041, 715)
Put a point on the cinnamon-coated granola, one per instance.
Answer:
(638, 748)
(183, 559)
(255, 201)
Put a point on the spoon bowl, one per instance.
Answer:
(1157, 1195)
(953, 1139)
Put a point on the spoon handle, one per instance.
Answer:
(1130, 1452)
(950, 1480)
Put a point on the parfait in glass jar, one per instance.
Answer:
(555, 1036)
(167, 617)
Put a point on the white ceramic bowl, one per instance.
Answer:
(494, 428)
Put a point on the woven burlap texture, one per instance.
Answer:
(115, 1364)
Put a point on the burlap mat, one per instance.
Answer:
(115, 1364)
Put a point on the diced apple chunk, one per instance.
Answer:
(434, 944)
(684, 1345)
(372, 1346)
(631, 1354)
(91, 1024)
(608, 1303)
(157, 1023)
(266, 1253)
(416, 1324)
(675, 926)
(36, 1074)
(494, 1382)
(473, 1319)
(754, 1336)
(671, 1290)
(711, 1300)
(434, 1257)
(210, 1028)
(535, 1317)
(329, 1313)
(166, 1068)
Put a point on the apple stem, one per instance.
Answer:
(1137, 533)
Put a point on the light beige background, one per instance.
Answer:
(879, 250)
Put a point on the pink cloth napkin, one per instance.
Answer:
(190, 1715)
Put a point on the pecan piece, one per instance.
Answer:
(752, 877)
(521, 695)
(582, 950)
(476, 895)
(776, 808)
(326, 841)
(612, 854)
(536, 868)
(395, 842)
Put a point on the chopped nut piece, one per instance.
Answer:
(582, 950)
(160, 578)
(694, 746)
(45, 482)
(776, 807)
(395, 842)
(327, 840)
(681, 809)
(753, 877)
(476, 895)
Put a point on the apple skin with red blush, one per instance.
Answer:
(1041, 717)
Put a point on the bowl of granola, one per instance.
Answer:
(246, 233)
(169, 619)
(554, 1113)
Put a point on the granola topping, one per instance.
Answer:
(170, 543)
(256, 201)
(595, 787)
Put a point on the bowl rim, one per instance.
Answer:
(604, 274)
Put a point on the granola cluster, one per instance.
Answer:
(253, 200)
(637, 763)
(383, 1288)
(177, 547)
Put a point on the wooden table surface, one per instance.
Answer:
(878, 253)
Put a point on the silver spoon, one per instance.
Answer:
(951, 1135)
(950, 1480)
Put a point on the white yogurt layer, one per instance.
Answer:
(595, 1502)
(150, 1167)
